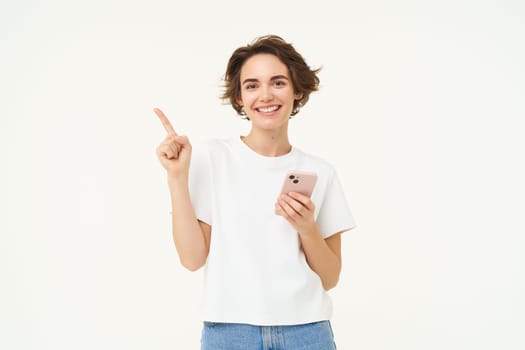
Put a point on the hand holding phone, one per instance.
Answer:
(297, 210)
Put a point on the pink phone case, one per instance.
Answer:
(299, 181)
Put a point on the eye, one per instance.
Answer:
(250, 86)
(280, 83)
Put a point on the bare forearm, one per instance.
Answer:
(187, 234)
(321, 259)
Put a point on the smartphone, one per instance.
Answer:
(299, 181)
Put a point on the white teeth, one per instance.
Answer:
(268, 109)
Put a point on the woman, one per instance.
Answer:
(269, 257)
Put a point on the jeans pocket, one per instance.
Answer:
(330, 326)
(332, 332)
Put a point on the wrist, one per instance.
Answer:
(311, 233)
(177, 179)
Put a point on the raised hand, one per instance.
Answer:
(174, 152)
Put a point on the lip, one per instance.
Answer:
(258, 109)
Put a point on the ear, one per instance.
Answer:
(298, 96)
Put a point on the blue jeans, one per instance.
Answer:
(234, 336)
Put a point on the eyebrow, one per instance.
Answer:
(275, 77)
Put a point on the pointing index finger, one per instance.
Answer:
(165, 122)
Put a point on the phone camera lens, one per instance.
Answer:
(295, 181)
(291, 177)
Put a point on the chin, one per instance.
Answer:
(270, 122)
(270, 125)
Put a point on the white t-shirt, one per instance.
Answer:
(256, 271)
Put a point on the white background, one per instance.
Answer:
(421, 110)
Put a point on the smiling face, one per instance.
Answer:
(267, 92)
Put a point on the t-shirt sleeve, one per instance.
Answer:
(200, 185)
(334, 214)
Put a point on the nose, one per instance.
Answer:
(266, 94)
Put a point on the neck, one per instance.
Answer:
(269, 144)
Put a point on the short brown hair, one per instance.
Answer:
(304, 79)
